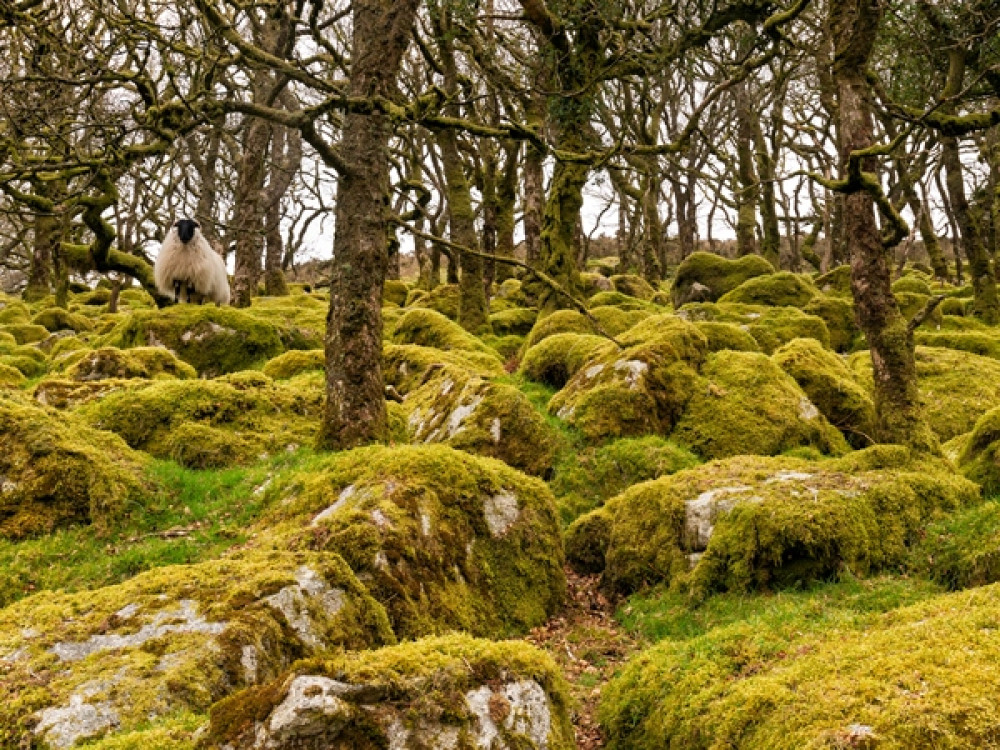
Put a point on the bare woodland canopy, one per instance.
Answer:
(822, 132)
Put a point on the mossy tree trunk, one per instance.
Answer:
(355, 408)
(248, 213)
(853, 25)
(286, 161)
(746, 180)
(770, 245)
(534, 185)
(506, 207)
(41, 273)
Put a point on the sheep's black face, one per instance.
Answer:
(186, 229)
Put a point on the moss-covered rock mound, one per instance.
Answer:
(259, 416)
(771, 327)
(173, 639)
(443, 299)
(57, 319)
(980, 456)
(148, 362)
(745, 404)
(213, 340)
(56, 470)
(704, 277)
(293, 363)
(831, 386)
(633, 286)
(727, 336)
(838, 314)
(432, 329)
(557, 358)
(444, 539)
(746, 523)
(984, 343)
(445, 692)
(783, 289)
(482, 417)
(561, 321)
(408, 366)
(919, 677)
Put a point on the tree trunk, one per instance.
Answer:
(506, 206)
(355, 411)
(248, 216)
(854, 24)
(746, 193)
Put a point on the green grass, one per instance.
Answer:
(193, 516)
(659, 614)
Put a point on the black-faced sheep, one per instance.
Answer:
(188, 264)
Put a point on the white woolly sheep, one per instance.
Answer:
(188, 263)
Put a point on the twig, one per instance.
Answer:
(924, 313)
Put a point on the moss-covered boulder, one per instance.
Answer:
(443, 299)
(213, 340)
(771, 327)
(752, 522)
(838, 314)
(727, 336)
(831, 386)
(172, 640)
(149, 362)
(55, 470)
(783, 289)
(919, 677)
(10, 376)
(912, 284)
(561, 321)
(482, 417)
(444, 539)
(261, 416)
(13, 311)
(395, 292)
(632, 285)
(979, 459)
(446, 692)
(26, 333)
(408, 366)
(745, 404)
(517, 321)
(910, 304)
(556, 359)
(836, 282)
(299, 319)
(619, 300)
(295, 362)
(430, 328)
(963, 550)
(639, 390)
(956, 388)
(57, 319)
(704, 277)
(984, 343)
(592, 282)
(30, 362)
(614, 321)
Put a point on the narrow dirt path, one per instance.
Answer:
(589, 645)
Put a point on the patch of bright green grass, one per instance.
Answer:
(193, 516)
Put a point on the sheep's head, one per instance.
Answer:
(186, 229)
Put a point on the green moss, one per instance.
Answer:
(508, 347)
(745, 404)
(430, 328)
(592, 282)
(782, 289)
(606, 266)
(444, 539)
(58, 319)
(836, 282)
(980, 455)
(179, 638)
(407, 366)
(985, 344)
(93, 298)
(135, 299)
(953, 306)
(838, 314)
(922, 676)
(704, 277)
(10, 376)
(482, 417)
(177, 732)
(57, 470)
(443, 299)
(633, 286)
(956, 388)
(831, 386)
(213, 340)
(615, 321)
(26, 333)
(557, 358)
(561, 321)
(911, 284)
(28, 366)
(13, 311)
(514, 321)
(910, 304)
(963, 550)
(420, 694)
(298, 319)
(619, 300)
(149, 362)
(956, 323)
(261, 416)
(7, 342)
(394, 292)
(746, 523)
(727, 336)
(771, 327)
(293, 363)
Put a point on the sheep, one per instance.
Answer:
(187, 262)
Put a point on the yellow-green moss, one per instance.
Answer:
(561, 321)
(615, 320)
(771, 327)
(591, 283)
(830, 385)
(745, 404)
(299, 319)
(406, 366)
(149, 362)
(782, 289)
(838, 314)
(26, 333)
(912, 284)
(444, 539)
(980, 456)
(135, 299)
(13, 311)
(7, 342)
(633, 286)
(56, 470)
(430, 328)
(179, 638)
(508, 347)
(911, 303)
(416, 695)
(920, 677)
(292, 363)
(443, 299)
(752, 522)
(836, 282)
(704, 277)
(394, 292)
(619, 300)
(261, 416)
(983, 343)
(516, 321)
(28, 366)
(214, 340)
(10, 376)
(727, 336)
(58, 319)
(963, 550)
(557, 358)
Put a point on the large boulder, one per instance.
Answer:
(771, 327)
(55, 470)
(979, 459)
(446, 692)
(406, 367)
(561, 321)
(753, 522)
(147, 362)
(444, 539)
(745, 404)
(783, 289)
(432, 329)
(705, 277)
(172, 640)
(557, 358)
(922, 676)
